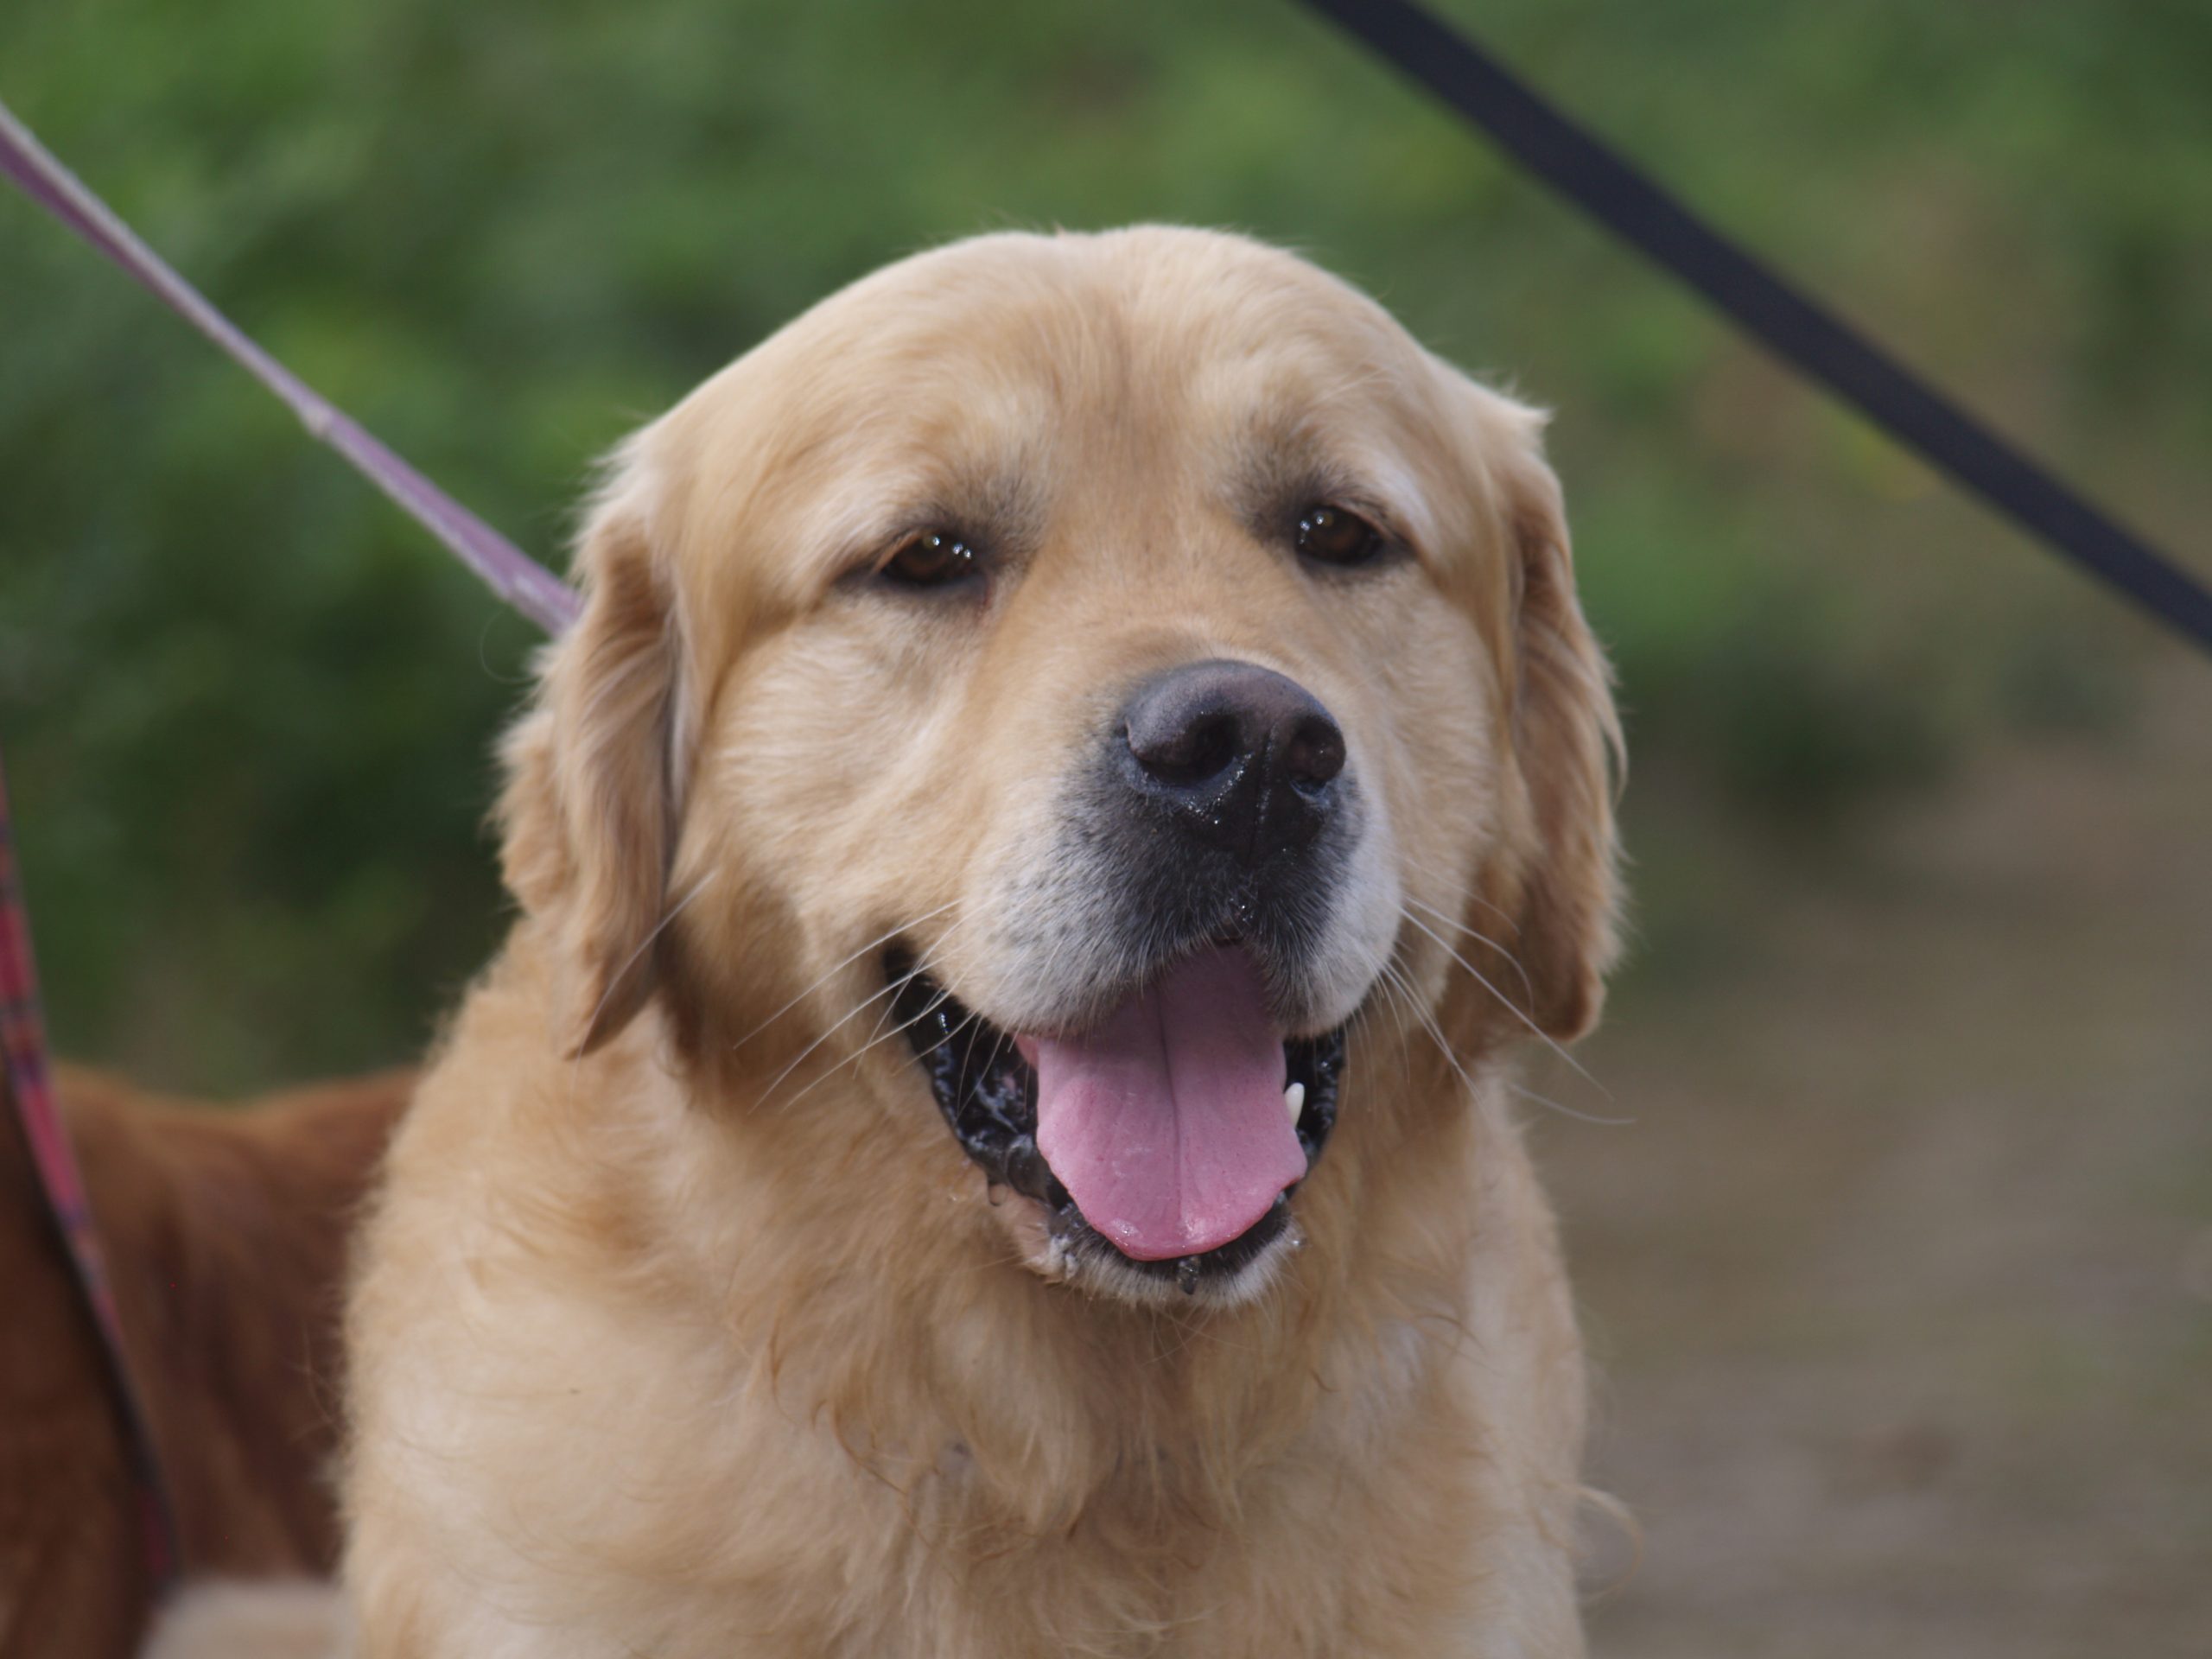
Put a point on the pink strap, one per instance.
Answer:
(512, 574)
(517, 578)
(22, 1047)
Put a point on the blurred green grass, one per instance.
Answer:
(247, 708)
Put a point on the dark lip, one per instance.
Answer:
(988, 1093)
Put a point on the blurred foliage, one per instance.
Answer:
(247, 707)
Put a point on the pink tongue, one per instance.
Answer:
(1166, 1122)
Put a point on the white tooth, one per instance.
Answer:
(1294, 1100)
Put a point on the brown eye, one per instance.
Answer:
(1330, 535)
(932, 559)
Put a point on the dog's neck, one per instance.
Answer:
(1031, 1403)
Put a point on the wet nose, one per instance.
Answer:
(1241, 757)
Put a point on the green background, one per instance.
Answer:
(1888, 1193)
(246, 707)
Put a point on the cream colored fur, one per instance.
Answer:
(685, 1328)
(260, 1619)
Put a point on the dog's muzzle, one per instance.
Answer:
(1163, 1116)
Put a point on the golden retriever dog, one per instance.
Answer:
(225, 1233)
(1080, 762)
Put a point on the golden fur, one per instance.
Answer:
(685, 1328)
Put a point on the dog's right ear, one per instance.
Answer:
(597, 772)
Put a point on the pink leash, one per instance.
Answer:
(509, 572)
(513, 575)
(30, 1086)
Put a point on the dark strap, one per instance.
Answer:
(1629, 203)
(30, 1087)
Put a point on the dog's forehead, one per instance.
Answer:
(999, 379)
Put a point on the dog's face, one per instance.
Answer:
(1066, 685)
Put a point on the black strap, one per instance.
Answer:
(1634, 208)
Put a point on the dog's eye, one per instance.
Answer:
(931, 559)
(1333, 535)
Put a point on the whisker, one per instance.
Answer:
(923, 964)
(1394, 981)
(1507, 1002)
(887, 995)
(858, 1054)
(1456, 884)
(1435, 1034)
(1569, 1111)
(1528, 985)
(1387, 980)
(881, 939)
(615, 981)
(829, 1031)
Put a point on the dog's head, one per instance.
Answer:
(1064, 684)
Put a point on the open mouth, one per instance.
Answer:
(1181, 1146)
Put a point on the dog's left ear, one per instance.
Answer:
(597, 772)
(1562, 732)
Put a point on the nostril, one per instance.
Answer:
(1314, 752)
(1181, 753)
(1240, 759)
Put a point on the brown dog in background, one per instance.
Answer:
(225, 1232)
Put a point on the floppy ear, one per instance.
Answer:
(1564, 739)
(596, 773)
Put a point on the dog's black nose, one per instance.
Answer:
(1241, 756)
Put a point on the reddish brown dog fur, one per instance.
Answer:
(225, 1232)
